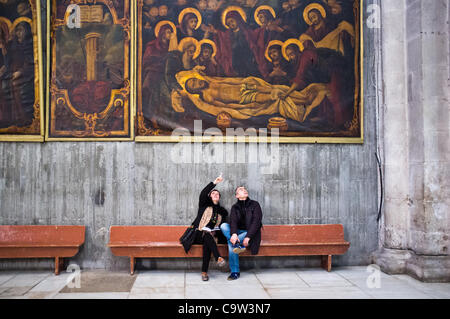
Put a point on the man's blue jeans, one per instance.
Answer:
(233, 258)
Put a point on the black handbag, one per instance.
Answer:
(187, 239)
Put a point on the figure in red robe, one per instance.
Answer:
(266, 32)
(153, 69)
(207, 60)
(17, 80)
(323, 65)
(4, 112)
(236, 47)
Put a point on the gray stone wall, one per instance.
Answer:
(416, 223)
(63, 183)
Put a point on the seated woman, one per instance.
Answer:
(210, 216)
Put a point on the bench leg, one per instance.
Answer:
(57, 265)
(61, 264)
(326, 262)
(132, 264)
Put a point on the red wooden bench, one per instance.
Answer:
(41, 242)
(277, 240)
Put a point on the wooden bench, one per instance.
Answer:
(277, 240)
(41, 242)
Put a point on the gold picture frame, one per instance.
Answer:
(123, 97)
(354, 135)
(35, 131)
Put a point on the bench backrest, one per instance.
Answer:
(139, 234)
(303, 233)
(41, 235)
(270, 233)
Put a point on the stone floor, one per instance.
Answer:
(299, 283)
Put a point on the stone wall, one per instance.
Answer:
(416, 223)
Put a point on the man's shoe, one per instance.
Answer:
(221, 262)
(239, 249)
(234, 276)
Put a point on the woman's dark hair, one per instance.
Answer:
(214, 190)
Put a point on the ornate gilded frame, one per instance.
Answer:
(38, 121)
(357, 122)
(123, 97)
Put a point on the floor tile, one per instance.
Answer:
(13, 291)
(321, 278)
(51, 283)
(26, 279)
(159, 278)
(225, 292)
(102, 295)
(434, 290)
(318, 293)
(157, 293)
(275, 278)
(5, 276)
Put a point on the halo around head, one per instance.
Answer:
(310, 7)
(272, 43)
(6, 22)
(186, 41)
(230, 9)
(193, 11)
(19, 20)
(289, 42)
(160, 24)
(199, 47)
(268, 8)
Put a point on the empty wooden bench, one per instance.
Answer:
(56, 242)
(277, 240)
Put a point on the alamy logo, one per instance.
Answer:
(73, 16)
(230, 148)
(374, 18)
(374, 279)
(74, 280)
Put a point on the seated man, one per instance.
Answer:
(244, 230)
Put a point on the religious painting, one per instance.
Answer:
(21, 94)
(90, 70)
(290, 66)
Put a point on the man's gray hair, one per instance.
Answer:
(240, 187)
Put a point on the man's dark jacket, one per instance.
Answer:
(253, 220)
